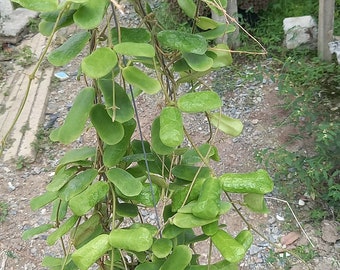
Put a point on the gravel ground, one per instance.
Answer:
(250, 94)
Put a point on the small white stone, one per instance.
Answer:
(10, 186)
(279, 218)
(301, 202)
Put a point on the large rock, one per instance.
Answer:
(300, 31)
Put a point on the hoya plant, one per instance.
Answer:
(99, 190)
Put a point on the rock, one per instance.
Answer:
(334, 47)
(329, 231)
(299, 31)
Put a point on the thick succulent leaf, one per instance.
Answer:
(88, 254)
(229, 248)
(226, 124)
(182, 41)
(255, 202)
(222, 56)
(184, 221)
(37, 230)
(110, 132)
(178, 259)
(125, 182)
(139, 79)
(76, 118)
(38, 5)
(198, 62)
(199, 102)
(206, 23)
(62, 230)
(134, 239)
(157, 145)
(137, 35)
(90, 14)
(171, 127)
(70, 49)
(99, 63)
(188, 6)
(77, 154)
(162, 247)
(85, 201)
(135, 49)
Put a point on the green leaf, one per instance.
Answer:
(99, 63)
(59, 210)
(77, 184)
(222, 56)
(255, 202)
(48, 20)
(178, 259)
(110, 132)
(117, 102)
(113, 154)
(76, 118)
(254, 182)
(125, 182)
(61, 178)
(88, 254)
(188, 6)
(229, 248)
(38, 5)
(139, 79)
(147, 197)
(90, 14)
(206, 23)
(137, 35)
(198, 62)
(37, 230)
(211, 228)
(171, 127)
(86, 200)
(150, 265)
(245, 238)
(183, 41)
(212, 34)
(185, 221)
(199, 102)
(226, 124)
(74, 155)
(162, 247)
(189, 172)
(137, 239)
(135, 49)
(70, 49)
(171, 231)
(126, 210)
(206, 151)
(42, 200)
(63, 229)
(157, 145)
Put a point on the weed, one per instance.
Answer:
(306, 253)
(10, 254)
(3, 211)
(24, 128)
(26, 57)
(21, 163)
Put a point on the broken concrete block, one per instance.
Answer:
(13, 26)
(300, 31)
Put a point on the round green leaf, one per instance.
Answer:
(206, 23)
(137, 35)
(222, 56)
(85, 201)
(78, 154)
(157, 145)
(127, 210)
(61, 178)
(137, 239)
(188, 6)
(226, 124)
(182, 41)
(38, 5)
(125, 182)
(171, 127)
(188, 172)
(178, 259)
(70, 49)
(42, 200)
(99, 63)
(185, 221)
(91, 252)
(139, 79)
(245, 238)
(229, 248)
(199, 102)
(198, 62)
(90, 14)
(135, 49)
(162, 247)
(63, 229)
(255, 202)
(76, 118)
(110, 132)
